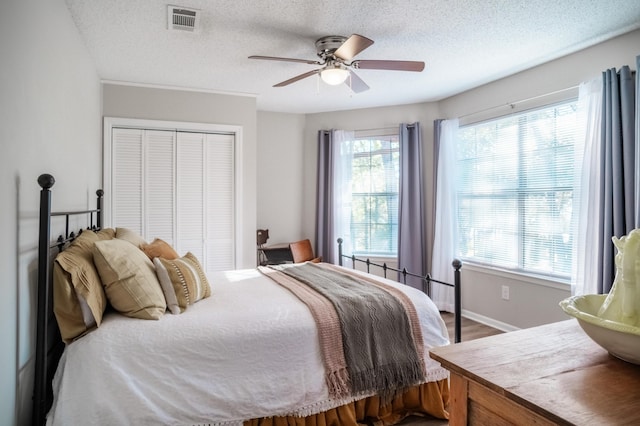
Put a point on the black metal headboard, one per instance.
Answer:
(49, 344)
(426, 283)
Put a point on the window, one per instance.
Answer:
(374, 195)
(514, 181)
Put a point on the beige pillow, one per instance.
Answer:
(78, 295)
(106, 234)
(129, 279)
(159, 248)
(183, 281)
(131, 236)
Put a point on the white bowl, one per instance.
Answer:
(621, 340)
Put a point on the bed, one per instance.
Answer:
(248, 350)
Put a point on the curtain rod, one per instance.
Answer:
(377, 129)
(385, 128)
(364, 133)
(514, 103)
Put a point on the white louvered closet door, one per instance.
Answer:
(219, 210)
(190, 202)
(143, 182)
(127, 178)
(177, 186)
(205, 198)
(160, 183)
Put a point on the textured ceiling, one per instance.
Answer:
(464, 43)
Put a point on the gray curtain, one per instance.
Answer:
(412, 254)
(618, 184)
(324, 193)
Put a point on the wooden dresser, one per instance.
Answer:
(552, 374)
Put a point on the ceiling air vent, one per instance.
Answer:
(183, 19)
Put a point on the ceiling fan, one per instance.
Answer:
(336, 58)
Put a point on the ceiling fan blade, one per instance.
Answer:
(389, 65)
(296, 78)
(352, 46)
(275, 58)
(357, 84)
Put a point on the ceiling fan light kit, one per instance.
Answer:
(334, 75)
(336, 55)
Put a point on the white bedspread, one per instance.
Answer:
(248, 351)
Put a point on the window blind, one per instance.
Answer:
(374, 195)
(514, 184)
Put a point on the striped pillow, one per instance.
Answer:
(183, 281)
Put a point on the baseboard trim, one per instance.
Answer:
(488, 321)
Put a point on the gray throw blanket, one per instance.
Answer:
(379, 347)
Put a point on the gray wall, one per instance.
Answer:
(177, 105)
(281, 177)
(49, 123)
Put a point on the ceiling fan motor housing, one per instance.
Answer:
(326, 46)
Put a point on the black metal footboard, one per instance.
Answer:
(426, 283)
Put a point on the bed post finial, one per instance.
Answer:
(46, 181)
(340, 251)
(100, 194)
(457, 264)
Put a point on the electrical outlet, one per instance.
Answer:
(505, 292)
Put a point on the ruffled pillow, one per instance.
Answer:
(79, 300)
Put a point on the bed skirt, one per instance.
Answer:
(429, 398)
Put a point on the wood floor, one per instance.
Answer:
(470, 330)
